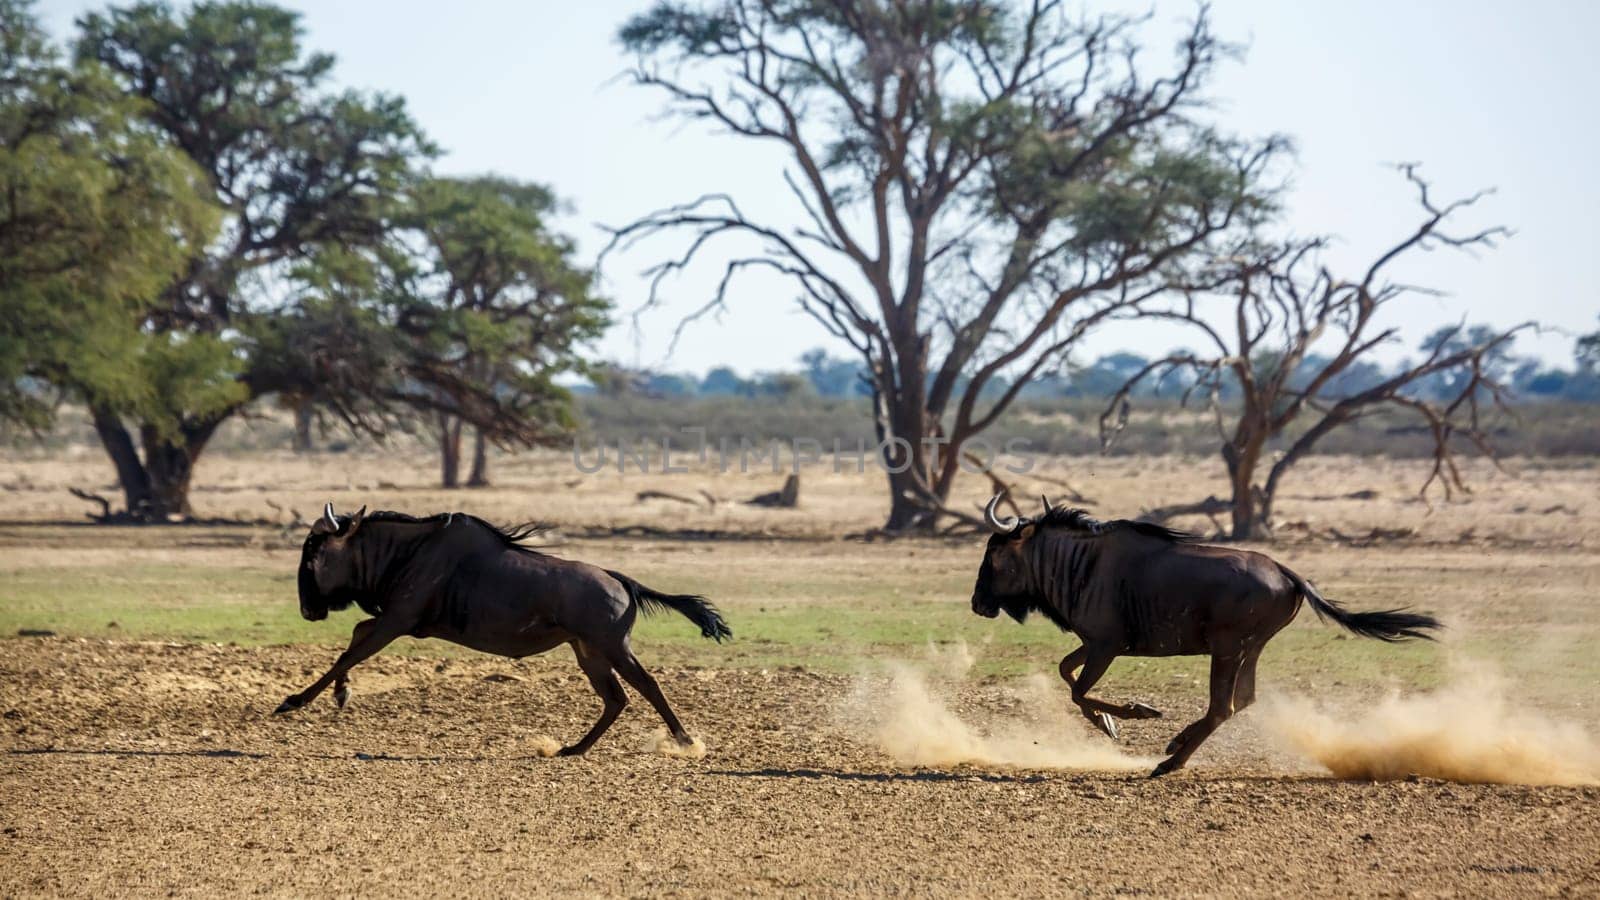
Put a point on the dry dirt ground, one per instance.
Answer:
(1552, 503)
(150, 768)
(145, 767)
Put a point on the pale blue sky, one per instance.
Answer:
(1483, 93)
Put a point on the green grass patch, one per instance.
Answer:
(841, 615)
(836, 621)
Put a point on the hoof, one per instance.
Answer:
(571, 751)
(1140, 711)
(1166, 766)
(1177, 742)
(341, 697)
(1106, 724)
(289, 705)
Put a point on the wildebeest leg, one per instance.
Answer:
(1224, 678)
(1069, 664)
(1244, 693)
(605, 684)
(634, 673)
(1094, 666)
(1097, 710)
(341, 685)
(1072, 661)
(364, 642)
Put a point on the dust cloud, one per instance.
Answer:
(545, 746)
(908, 711)
(665, 744)
(1472, 730)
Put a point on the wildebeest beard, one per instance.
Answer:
(1017, 606)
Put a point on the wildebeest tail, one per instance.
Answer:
(694, 607)
(1386, 625)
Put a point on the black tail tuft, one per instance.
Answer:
(693, 607)
(1392, 625)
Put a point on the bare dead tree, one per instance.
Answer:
(979, 184)
(1260, 319)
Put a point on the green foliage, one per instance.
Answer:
(674, 26)
(341, 275)
(468, 308)
(296, 169)
(187, 375)
(336, 343)
(206, 109)
(496, 261)
(497, 307)
(97, 215)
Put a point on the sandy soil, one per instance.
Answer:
(149, 769)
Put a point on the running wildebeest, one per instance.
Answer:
(459, 578)
(1138, 589)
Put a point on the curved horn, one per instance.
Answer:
(999, 525)
(328, 523)
(1046, 499)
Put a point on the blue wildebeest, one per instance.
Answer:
(1139, 589)
(463, 580)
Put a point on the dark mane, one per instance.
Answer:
(517, 536)
(1079, 520)
(514, 536)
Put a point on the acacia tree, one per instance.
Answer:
(1259, 320)
(497, 296)
(295, 168)
(405, 336)
(96, 216)
(979, 183)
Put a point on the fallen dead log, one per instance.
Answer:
(786, 498)
(642, 496)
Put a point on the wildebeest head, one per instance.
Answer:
(327, 570)
(1003, 578)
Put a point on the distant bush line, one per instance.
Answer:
(1062, 426)
(1056, 426)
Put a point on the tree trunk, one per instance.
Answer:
(303, 418)
(906, 471)
(449, 451)
(480, 460)
(119, 446)
(1247, 515)
(908, 508)
(904, 458)
(156, 488)
(1244, 509)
